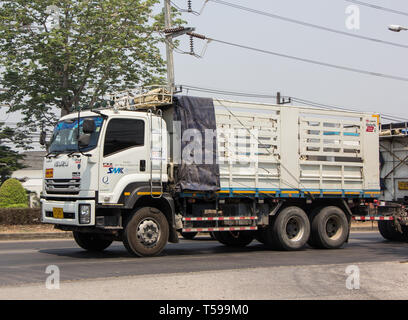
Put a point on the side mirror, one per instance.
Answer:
(88, 126)
(43, 137)
(84, 140)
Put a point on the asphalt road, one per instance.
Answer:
(24, 262)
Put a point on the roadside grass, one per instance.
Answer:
(38, 228)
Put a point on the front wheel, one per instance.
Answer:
(146, 232)
(91, 241)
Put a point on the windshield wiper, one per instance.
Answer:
(78, 151)
(52, 152)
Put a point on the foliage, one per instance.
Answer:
(20, 216)
(9, 159)
(13, 195)
(61, 54)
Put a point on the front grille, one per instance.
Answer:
(62, 186)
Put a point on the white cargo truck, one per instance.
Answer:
(147, 165)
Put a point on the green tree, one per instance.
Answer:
(10, 160)
(13, 195)
(60, 54)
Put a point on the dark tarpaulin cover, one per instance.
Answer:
(197, 113)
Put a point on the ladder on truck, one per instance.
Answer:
(149, 99)
(143, 98)
(156, 153)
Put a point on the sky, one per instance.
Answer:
(235, 69)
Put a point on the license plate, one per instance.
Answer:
(403, 185)
(58, 213)
(49, 173)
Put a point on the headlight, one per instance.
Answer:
(84, 213)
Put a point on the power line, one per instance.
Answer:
(327, 106)
(295, 99)
(189, 9)
(228, 93)
(311, 25)
(374, 6)
(282, 55)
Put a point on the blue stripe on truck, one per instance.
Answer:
(288, 193)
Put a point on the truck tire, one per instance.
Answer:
(389, 232)
(405, 233)
(189, 235)
(146, 232)
(329, 228)
(289, 231)
(234, 238)
(260, 236)
(383, 228)
(311, 242)
(91, 241)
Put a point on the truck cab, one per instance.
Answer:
(99, 165)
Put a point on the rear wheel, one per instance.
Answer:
(311, 242)
(383, 227)
(290, 230)
(146, 232)
(389, 232)
(405, 233)
(234, 238)
(91, 241)
(189, 235)
(329, 229)
(260, 236)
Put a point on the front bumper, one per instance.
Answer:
(70, 210)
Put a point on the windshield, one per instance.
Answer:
(65, 136)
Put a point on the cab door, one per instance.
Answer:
(124, 157)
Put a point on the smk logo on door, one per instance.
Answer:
(115, 170)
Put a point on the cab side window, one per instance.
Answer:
(122, 134)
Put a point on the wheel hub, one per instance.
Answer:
(332, 227)
(294, 229)
(148, 232)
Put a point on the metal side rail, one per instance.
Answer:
(373, 218)
(219, 229)
(249, 224)
(219, 218)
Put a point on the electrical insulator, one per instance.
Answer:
(173, 30)
(191, 45)
(189, 6)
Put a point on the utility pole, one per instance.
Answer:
(170, 34)
(281, 100)
(169, 45)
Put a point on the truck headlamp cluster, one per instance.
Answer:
(84, 213)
